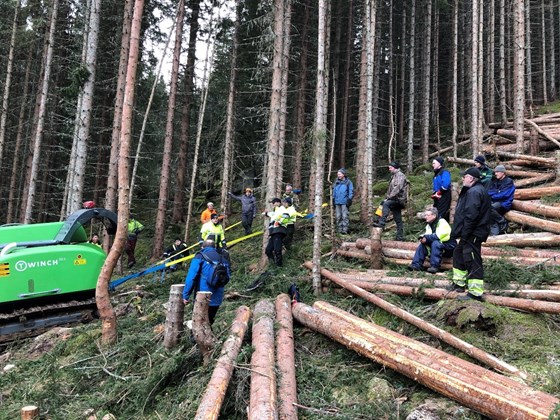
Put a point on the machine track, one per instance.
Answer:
(32, 321)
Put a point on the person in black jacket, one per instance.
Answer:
(472, 227)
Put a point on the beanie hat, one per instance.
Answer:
(395, 164)
(213, 216)
(500, 168)
(440, 160)
(342, 171)
(474, 172)
(287, 200)
(275, 200)
(480, 159)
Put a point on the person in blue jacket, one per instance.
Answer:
(343, 193)
(200, 272)
(501, 191)
(441, 188)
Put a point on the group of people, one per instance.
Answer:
(485, 197)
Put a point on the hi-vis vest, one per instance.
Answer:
(209, 228)
(443, 230)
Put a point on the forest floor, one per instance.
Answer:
(68, 375)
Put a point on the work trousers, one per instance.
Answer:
(247, 222)
(443, 205)
(467, 266)
(274, 248)
(395, 207)
(129, 248)
(289, 235)
(436, 250)
(342, 220)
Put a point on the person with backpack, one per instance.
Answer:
(342, 195)
(395, 199)
(209, 272)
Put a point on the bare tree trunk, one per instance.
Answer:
(175, 316)
(344, 125)
(411, 90)
(490, 69)
(202, 331)
(229, 140)
(552, 52)
(426, 67)
(454, 83)
(543, 55)
(502, 62)
(435, 79)
(159, 233)
(106, 312)
(112, 181)
(320, 141)
(519, 71)
(475, 140)
(402, 85)
(528, 58)
(8, 82)
(179, 196)
(299, 132)
(43, 95)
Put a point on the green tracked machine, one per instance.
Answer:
(47, 267)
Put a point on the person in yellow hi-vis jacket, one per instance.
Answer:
(291, 223)
(435, 242)
(134, 229)
(214, 231)
(277, 228)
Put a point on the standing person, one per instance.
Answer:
(435, 242)
(199, 276)
(292, 194)
(501, 191)
(395, 199)
(134, 229)
(248, 208)
(471, 226)
(277, 231)
(441, 188)
(486, 173)
(209, 211)
(214, 231)
(291, 223)
(175, 251)
(343, 193)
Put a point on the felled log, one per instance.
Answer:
(29, 412)
(504, 132)
(285, 359)
(549, 162)
(202, 331)
(447, 149)
(446, 337)
(542, 132)
(452, 159)
(262, 401)
(487, 392)
(521, 173)
(174, 317)
(215, 392)
(535, 193)
(535, 239)
(525, 219)
(536, 208)
(534, 180)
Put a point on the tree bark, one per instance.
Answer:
(411, 90)
(519, 71)
(202, 331)
(426, 67)
(214, 395)
(471, 385)
(376, 250)
(263, 399)
(29, 412)
(534, 180)
(535, 193)
(537, 208)
(285, 359)
(525, 219)
(174, 317)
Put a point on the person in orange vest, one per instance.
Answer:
(206, 214)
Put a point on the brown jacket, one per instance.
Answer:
(398, 187)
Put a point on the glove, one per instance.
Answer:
(348, 202)
(436, 195)
(224, 245)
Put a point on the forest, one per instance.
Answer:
(152, 108)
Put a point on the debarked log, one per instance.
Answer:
(175, 316)
(549, 162)
(525, 219)
(285, 359)
(443, 335)
(534, 180)
(535, 239)
(215, 392)
(536, 208)
(202, 331)
(487, 392)
(535, 193)
(263, 399)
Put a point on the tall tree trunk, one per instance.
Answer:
(454, 74)
(179, 196)
(85, 110)
(320, 141)
(104, 306)
(230, 113)
(299, 132)
(543, 55)
(552, 52)
(112, 180)
(402, 85)
(475, 140)
(43, 94)
(519, 71)
(528, 58)
(435, 78)
(426, 67)
(346, 93)
(411, 89)
(490, 91)
(159, 233)
(8, 82)
(502, 62)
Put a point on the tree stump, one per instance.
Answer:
(376, 259)
(29, 412)
(202, 331)
(175, 315)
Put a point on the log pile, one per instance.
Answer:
(487, 392)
